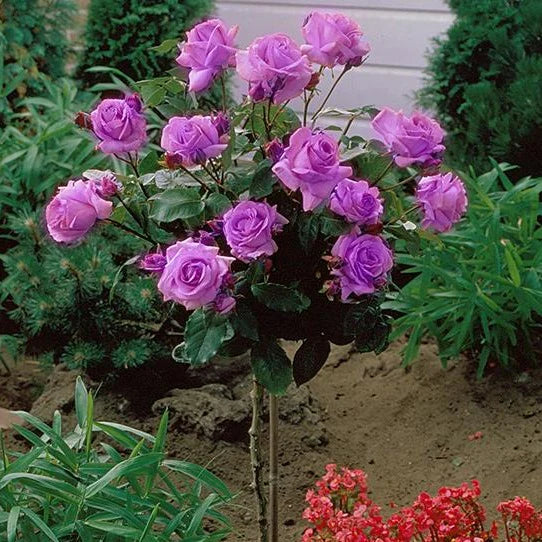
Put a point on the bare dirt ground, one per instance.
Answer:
(408, 430)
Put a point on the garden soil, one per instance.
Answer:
(409, 430)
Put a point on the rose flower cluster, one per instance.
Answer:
(341, 511)
(286, 194)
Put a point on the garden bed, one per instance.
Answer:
(409, 432)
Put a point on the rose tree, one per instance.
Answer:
(265, 225)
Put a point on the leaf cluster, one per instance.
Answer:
(107, 482)
(480, 289)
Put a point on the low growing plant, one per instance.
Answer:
(479, 289)
(340, 509)
(104, 481)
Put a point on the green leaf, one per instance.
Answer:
(216, 205)
(166, 46)
(128, 467)
(280, 298)
(205, 332)
(176, 204)
(200, 475)
(271, 367)
(263, 180)
(81, 398)
(149, 164)
(244, 322)
(13, 518)
(310, 358)
(332, 227)
(308, 226)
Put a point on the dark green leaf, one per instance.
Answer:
(280, 298)
(216, 205)
(176, 203)
(310, 358)
(204, 334)
(149, 164)
(308, 225)
(263, 180)
(244, 322)
(271, 367)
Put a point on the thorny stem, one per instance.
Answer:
(308, 98)
(273, 468)
(279, 111)
(383, 174)
(195, 177)
(130, 211)
(131, 231)
(404, 181)
(254, 432)
(347, 127)
(328, 95)
(213, 176)
(405, 214)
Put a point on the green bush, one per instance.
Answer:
(58, 315)
(480, 289)
(70, 487)
(32, 42)
(82, 306)
(121, 33)
(42, 146)
(484, 83)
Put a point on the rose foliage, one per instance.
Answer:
(262, 223)
(340, 510)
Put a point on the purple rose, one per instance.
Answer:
(332, 39)
(249, 228)
(208, 51)
(311, 164)
(120, 124)
(194, 274)
(411, 139)
(274, 68)
(364, 262)
(358, 202)
(443, 200)
(154, 262)
(224, 303)
(74, 210)
(192, 140)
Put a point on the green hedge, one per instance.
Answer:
(484, 83)
(120, 34)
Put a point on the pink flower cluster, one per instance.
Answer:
(341, 511)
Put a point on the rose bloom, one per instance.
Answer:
(194, 274)
(120, 124)
(311, 164)
(192, 140)
(411, 139)
(365, 262)
(207, 52)
(249, 228)
(358, 202)
(332, 39)
(443, 200)
(74, 210)
(153, 262)
(274, 68)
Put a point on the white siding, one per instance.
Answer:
(399, 31)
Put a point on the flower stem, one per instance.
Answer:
(405, 214)
(254, 432)
(127, 229)
(328, 95)
(404, 181)
(273, 468)
(383, 174)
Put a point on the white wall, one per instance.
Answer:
(399, 31)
